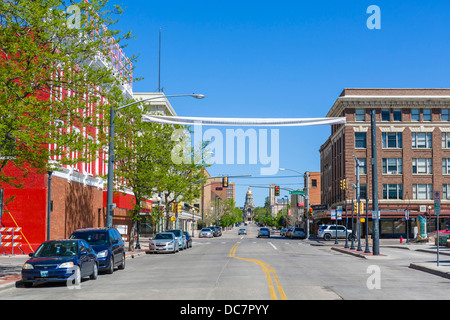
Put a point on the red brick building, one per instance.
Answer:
(413, 148)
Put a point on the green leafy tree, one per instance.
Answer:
(51, 86)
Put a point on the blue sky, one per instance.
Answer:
(283, 59)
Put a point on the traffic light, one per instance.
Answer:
(345, 184)
(225, 182)
(277, 191)
(179, 207)
(173, 207)
(361, 211)
(355, 207)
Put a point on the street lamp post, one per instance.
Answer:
(111, 154)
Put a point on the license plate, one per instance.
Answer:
(44, 273)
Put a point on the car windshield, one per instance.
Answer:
(93, 238)
(206, 229)
(163, 236)
(57, 249)
(177, 233)
(299, 229)
(264, 229)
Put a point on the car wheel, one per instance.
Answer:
(110, 270)
(94, 274)
(122, 265)
(27, 284)
(327, 237)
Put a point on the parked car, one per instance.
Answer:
(107, 243)
(217, 231)
(60, 261)
(328, 232)
(288, 232)
(264, 232)
(297, 233)
(164, 242)
(179, 235)
(283, 232)
(206, 233)
(242, 231)
(188, 239)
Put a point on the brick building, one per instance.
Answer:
(413, 148)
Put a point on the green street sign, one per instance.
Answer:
(302, 193)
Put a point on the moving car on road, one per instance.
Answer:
(242, 231)
(61, 261)
(107, 243)
(164, 242)
(264, 232)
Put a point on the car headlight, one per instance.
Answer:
(102, 254)
(65, 265)
(27, 266)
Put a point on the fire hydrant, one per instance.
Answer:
(401, 239)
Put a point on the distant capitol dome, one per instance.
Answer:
(249, 191)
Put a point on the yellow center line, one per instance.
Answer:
(268, 270)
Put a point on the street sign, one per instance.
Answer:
(437, 202)
(333, 214)
(297, 192)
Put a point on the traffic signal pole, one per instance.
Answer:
(375, 218)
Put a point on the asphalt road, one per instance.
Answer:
(235, 267)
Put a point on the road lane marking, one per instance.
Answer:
(272, 245)
(268, 271)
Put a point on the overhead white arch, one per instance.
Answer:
(264, 122)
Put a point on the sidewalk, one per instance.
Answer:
(429, 266)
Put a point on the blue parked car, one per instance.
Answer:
(107, 243)
(181, 238)
(60, 261)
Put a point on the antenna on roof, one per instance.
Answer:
(159, 69)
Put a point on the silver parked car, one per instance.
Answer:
(164, 242)
(297, 233)
(206, 233)
(328, 232)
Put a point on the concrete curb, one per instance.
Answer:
(432, 270)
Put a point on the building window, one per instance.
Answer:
(446, 140)
(363, 191)
(422, 166)
(426, 114)
(445, 115)
(385, 115)
(314, 183)
(422, 191)
(360, 115)
(397, 114)
(415, 114)
(360, 140)
(392, 166)
(421, 139)
(446, 192)
(362, 166)
(446, 166)
(392, 191)
(392, 140)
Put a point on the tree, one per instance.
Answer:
(145, 165)
(51, 89)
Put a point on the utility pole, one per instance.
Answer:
(375, 218)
